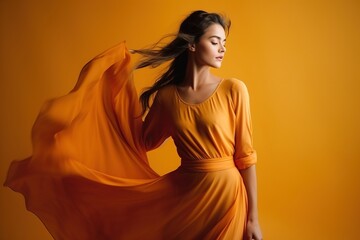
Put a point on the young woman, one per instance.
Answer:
(89, 177)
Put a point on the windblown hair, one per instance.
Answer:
(191, 29)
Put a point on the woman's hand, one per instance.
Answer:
(253, 231)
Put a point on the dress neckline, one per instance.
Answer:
(202, 102)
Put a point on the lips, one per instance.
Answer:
(220, 58)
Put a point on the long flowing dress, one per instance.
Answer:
(89, 177)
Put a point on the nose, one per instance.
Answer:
(222, 49)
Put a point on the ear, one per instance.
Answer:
(191, 47)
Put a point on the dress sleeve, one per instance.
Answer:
(156, 126)
(244, 155)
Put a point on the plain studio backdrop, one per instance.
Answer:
(299, 59)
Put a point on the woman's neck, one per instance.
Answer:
(196, 76)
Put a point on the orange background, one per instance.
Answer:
(299, 59)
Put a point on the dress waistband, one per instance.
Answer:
(207, 165)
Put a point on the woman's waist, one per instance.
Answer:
(207, 164)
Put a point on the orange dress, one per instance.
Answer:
(89, 177)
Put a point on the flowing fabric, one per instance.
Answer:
(89, 177)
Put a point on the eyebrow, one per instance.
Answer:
(214, 36)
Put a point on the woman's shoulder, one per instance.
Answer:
(234, 84)
(165, 92)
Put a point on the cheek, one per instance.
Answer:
(206, 51)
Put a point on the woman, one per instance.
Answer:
(89, 177)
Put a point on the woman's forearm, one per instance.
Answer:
(249, 178)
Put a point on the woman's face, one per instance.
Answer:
(210, 49)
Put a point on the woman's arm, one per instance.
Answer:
(155, 127)
(252, 226)
(245, 156)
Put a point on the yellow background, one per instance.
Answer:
(299, 59)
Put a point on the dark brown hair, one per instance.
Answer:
(191, 29)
